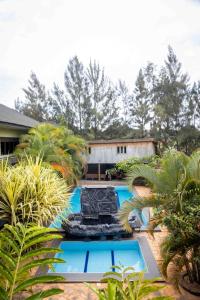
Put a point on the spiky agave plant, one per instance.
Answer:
(20, 253)
(31, 192)
(125, 284)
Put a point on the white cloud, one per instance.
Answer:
(41, 35)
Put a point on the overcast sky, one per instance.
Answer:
(122, 35)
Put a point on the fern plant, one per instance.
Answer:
(127, 285)
(20, 253)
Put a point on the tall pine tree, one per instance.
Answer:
(99, 91)
(37, 100)
(61, 108)
(140, 105)
(170, 97)
(78, 94)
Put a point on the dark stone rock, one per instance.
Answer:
(98, 215)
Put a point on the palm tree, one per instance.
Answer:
(177, 179)
(56, 145)
(176, 199)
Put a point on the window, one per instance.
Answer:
(89, 150)
(121, 150)
(7, 145)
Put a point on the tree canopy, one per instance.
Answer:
(162, 103)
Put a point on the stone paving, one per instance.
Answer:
(79, 291)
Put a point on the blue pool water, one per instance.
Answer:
(99, 256)
(123, 194)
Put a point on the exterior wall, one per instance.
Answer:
(107, 153)
(9, 132)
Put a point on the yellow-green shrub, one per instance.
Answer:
(31, 192)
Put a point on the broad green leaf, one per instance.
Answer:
(112, 274)
(146, 290)
(10, 242)
(45, 294)
(3, 294)
(37, 232)
(7, 258)
(5, 273)
(40, 251)
(14, 233)
(35, 280)
(40, 262)
(41, 239)
(34, 228)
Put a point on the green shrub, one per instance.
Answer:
(31, 192)
(176, 198)
(124, 167)
(127, 285)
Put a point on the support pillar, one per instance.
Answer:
(99, 172)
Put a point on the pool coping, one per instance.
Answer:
(152, 268)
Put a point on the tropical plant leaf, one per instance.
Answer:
(41, 239)
(21, 201)
(15, 266)
(127, 285)
(40, 262)
(45, 294)
(4, 271)
(7, 258)
(36, 280)
(40, 251)
(3, 294)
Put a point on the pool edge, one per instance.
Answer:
(152, 267)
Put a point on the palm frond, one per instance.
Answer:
(137, 203)
(145, 172)
(15, 266)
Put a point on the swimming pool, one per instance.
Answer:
(123, 194)
(99, 256)
(90, 260)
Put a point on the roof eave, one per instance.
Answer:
(14, 126)
(122, 141)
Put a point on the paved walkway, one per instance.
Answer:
(79, 291)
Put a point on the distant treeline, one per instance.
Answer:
(163, 103)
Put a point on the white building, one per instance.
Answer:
(104, 154)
